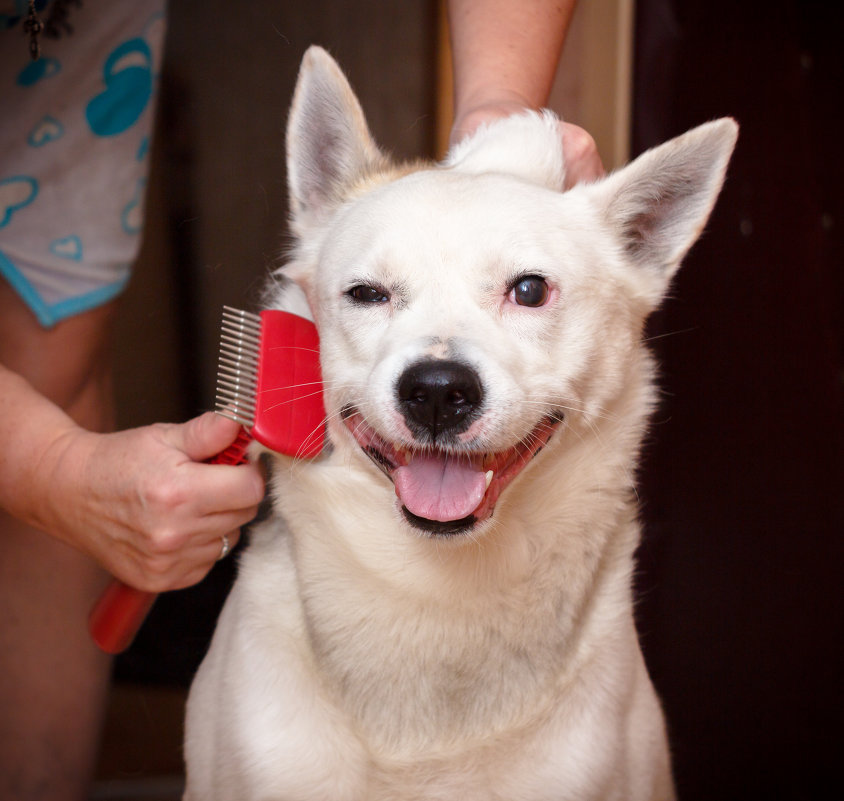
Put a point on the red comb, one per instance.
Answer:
(269, 380)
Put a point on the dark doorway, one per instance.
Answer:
(742, 609)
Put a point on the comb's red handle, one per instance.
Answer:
(117, 615)
(120, 611)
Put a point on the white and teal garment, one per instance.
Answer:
(75, 128)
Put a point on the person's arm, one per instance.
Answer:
(140, 502)
(505, 55)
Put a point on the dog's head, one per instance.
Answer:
(471, 312)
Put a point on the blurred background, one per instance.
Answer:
(741, 608)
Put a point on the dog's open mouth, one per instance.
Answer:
(445, 492)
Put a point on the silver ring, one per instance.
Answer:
(224, 548)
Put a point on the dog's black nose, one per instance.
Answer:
(439, 396)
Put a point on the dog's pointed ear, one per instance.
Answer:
(660, 202)
(329, 146)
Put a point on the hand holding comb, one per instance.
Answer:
(269, 381)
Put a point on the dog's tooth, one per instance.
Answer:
(489, 475)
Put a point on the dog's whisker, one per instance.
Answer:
(291, 401)
(568, 405)
(287, 387)
(298, 348)
(679, 331)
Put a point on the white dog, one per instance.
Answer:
(440, 607)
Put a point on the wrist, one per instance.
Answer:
(57, 480)
(470, 115)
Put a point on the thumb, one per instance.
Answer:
(205, 436)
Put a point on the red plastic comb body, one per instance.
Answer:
(269, 381)
(289, 412)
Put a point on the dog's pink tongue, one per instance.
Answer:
(440, 488)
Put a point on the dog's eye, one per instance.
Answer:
(363, 293)
(530, 290)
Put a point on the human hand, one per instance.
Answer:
(142, 502)
(582, 160)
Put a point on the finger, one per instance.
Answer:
(191, 564)
(216, 547)
(204, 436)
(582, 159)
(228, 524)
(225, 488)
(203, 562)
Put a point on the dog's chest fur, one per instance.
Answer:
(468, 640)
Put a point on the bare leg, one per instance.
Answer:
(53, 680)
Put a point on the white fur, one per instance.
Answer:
(359, 659)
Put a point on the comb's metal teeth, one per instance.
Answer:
(248, 382)
(242, 317)
(246, 377)
(238, 390)
(244, 383)
(239, 357)
(244, 362)
(235, 403)
(244, 390)
(240, 314)
(237, 366)
(241, 333)
(226, 411)
(243, 356)
(237, 321)
(232, 363)
(237, 411)
(237, 372)
(240, 325)
(240, 343)
(238, 349)
(241, 328)
(234, 398)
(236, 393)
(227, 398)
(233, 383)
(245, 415)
